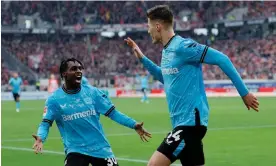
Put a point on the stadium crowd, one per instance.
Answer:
(254, 58)
(122, 12)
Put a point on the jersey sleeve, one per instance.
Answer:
(48, 118)
(215, 57)
(103, 104)
(49, 113)
(191, 51)
(10, 81)
(152, 68)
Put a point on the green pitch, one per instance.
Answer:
(235, 137)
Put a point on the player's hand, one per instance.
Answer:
(144, 135)
(137, 52)
(38, 145)
(251, 101)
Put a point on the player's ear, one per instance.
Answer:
(158, 27)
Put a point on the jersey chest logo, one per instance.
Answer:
(167, 58)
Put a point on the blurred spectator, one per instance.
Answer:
(253, 58)
(123, 12)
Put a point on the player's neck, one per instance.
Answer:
(166, 36)
(69, 87)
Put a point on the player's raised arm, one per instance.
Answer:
(148, 64)
(198, 53)
(105, 107)
(217, 58)
(43, 129)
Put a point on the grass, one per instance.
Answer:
(236, 137)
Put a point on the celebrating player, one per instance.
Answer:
(144, 81)
(15, 82)
(76, 108)
(181, 74)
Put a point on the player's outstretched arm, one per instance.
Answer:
(38, 145)
(148, 64)
(105, 107)
(40, 137)
(215, 57)
(124, 120)
(43, 129)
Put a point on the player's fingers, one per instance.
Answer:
(36, 150)
(141, 137)
(255, 107)
(130, 39)
(128, 42)
(145, 138)
(40, 149)
(248, 108)
(256, 102)
(148, 134)
(34, 145)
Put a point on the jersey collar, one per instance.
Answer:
(169, 42)
(70, 91)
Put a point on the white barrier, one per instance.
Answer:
(5, 96)
(214, 94)
(25, 96)
(42, 95)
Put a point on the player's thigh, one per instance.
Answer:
(159, 159)
(14, 96)
(143, 90)
(76, 159)
(104, 161)
(192, 154)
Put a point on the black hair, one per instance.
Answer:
(64, 65)
(161, 12)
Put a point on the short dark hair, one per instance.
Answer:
(161, 12)
(64, 65)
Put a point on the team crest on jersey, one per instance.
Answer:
(167, 58)
(45, 111)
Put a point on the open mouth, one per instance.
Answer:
(78, 78)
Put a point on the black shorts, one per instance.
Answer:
(144, 90)
(15, 95)
(185, 143)
(77, 159)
